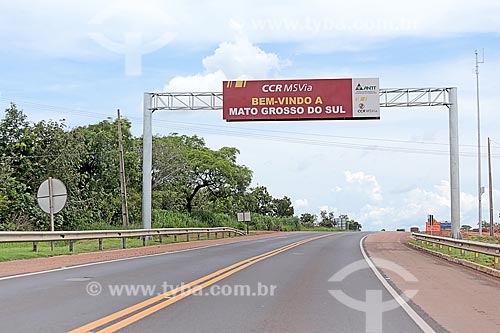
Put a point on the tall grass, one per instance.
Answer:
(207, 219)
(197, 219)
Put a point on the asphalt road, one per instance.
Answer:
(287, 291)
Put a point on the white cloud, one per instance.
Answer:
(413, 207)
(337, 189)
(198, 82)
(317, 25)
(368, 183)
(374, 216)
(299, 203)
(239, 60)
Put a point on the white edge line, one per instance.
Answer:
(121, 259)
(413, 315)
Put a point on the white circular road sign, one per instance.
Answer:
(59, 195)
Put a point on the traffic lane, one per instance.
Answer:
(301, 301)
(154, 264)
(58, 301)
(15, 268)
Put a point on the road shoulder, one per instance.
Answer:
(459, 299)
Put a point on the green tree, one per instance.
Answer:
(353, 225)
(187, 176)
(217, 172)
(17, 142)
(308, 220)
(18, 169)
(260, 201)
(465, 227)
(170, 169)
(93, 174)
(326, 219)
(282, 207)
(17, 205)
(185, 168)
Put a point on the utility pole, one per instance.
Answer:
(123, 183)
(480, 188)
(490, 185)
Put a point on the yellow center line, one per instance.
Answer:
(173, 296)
(153, 300)
(138, 316)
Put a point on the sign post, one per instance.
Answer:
(51, 198)
(245, 217)
(431, 222)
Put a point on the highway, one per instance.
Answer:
(277, 284)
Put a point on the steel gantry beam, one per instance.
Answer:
(413, 97)
(187, 101)
(395, 97)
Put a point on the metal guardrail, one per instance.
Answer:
(463, 245)
(145, 234)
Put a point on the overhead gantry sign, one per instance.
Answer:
(322, 99)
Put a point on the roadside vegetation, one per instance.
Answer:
(14, 251)
(193, 185)
(484, 260)
(484, 239)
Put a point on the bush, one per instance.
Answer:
(170, 219)
(264, 222)
(197, 219)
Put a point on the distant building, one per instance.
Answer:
(438, 228)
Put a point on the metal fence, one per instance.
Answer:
(145, 234)
(464, 246)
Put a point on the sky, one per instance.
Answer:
(81, 60)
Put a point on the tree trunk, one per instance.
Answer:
(189, 199)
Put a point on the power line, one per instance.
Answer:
(224, 131)
(139, 119)
(57, 108)
(319, 135)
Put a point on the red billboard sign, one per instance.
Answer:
(301, 99)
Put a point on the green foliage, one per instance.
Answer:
(260, 201)
(308, 220)
(186, 169)
(282, 207)
(85, 159)
(207, 219)
(193, 185)
(265, 222)
(196, 219)
(465, 227)
(327, 219)
(171, 219)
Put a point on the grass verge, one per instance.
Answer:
(13, 251)
(483, 259)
